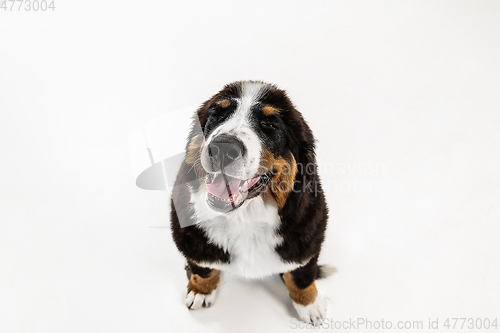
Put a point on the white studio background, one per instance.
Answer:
(403, 97)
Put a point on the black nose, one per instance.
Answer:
(224, 150)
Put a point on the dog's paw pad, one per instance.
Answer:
(197, 301)
(314, 313)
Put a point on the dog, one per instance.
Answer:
(248, 199)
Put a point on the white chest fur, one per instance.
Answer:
(248, 234)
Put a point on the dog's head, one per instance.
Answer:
(251, 141)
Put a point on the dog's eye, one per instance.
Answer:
(267, 125)
(217, 115)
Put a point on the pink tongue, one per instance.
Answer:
(219, 187)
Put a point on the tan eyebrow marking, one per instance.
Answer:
(269, 111)
(225, 103)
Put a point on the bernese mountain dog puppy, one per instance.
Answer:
(248, 199)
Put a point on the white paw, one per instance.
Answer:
(314, 313)
(197, 301)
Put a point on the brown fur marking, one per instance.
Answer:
(199, 285)
(300, 296)
(194, 149)
(284, 172)
(225, 103)
(269, 111)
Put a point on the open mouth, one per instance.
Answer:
(226, 193)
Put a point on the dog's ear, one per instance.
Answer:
(196, 137)
(302, 145)
(201, 116)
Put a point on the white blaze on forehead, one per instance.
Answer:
(239, 125)
(250, 93)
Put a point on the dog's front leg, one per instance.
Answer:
(310, 305)
(201, 287)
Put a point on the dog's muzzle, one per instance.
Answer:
(225, 152)
(226, 190)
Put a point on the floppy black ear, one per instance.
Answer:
(307, 159)
(196, 136)
(304, 214)
(191, 169)
(199, 120)
(308, 149)
(302, 145)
